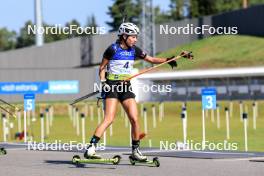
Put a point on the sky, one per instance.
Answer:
(14, 13)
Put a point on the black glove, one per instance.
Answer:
(172, 63)
(187, 54)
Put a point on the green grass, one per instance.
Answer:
(220, 52)
(169, 129)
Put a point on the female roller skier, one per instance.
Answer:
(118, 60)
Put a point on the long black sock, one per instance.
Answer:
(135, 144)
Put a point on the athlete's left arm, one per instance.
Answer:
(155, 60)
(142, 55)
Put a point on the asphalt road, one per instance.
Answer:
(23, 162)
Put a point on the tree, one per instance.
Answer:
(228, 5)
(177, 9)
(91, 22)
(75, 24)
(50, 37)
(194, 9)
(25, 39)
(202, 7)
(198, 8)
(255, 2)
(7, 39)
(160, 16)
(132, 10)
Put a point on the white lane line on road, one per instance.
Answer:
(15, 149)
(223, 153)
(13, 144)
(240, 159)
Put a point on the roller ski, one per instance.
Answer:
(137, 157)
(153, 162)
(90, 156)
(78, 160)
(3, 151)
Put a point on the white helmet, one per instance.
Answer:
(128, 29)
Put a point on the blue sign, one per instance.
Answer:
(23, 87)
(209, 98)
(50, 87)
(63, 87)
(29, 102)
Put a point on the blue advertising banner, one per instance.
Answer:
(23, 87)
(63, 87)
(49, 87)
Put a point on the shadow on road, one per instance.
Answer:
(93, 165)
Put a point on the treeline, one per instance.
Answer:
(12, 40)
(178, 9)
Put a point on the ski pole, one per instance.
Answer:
(156, 66)
(10, 113)
(16, 108)
(140, 73)
(84, 97)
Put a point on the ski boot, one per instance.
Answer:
(138, 157)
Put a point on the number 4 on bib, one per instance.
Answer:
(126, 65)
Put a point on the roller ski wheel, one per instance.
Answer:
(78, 160)
(153, 162)
(116, 159)
(156, 161)
(3, 151)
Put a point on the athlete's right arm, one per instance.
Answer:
(102, 69)
(108, 53)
